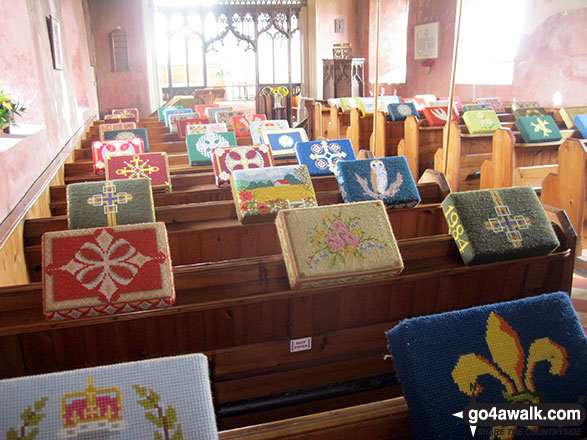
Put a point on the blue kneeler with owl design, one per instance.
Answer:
(387, 179)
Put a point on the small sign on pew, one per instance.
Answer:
(300, 344)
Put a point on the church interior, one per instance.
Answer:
(255, 218)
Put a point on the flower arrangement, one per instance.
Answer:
(9, 108)
(428, 63)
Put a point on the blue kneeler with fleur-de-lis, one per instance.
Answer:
(528, 351)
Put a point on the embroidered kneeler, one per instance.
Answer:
(387, 179)
(260, 193)
(200, 146)
(498, 224)
(538, 129)
(227, 159)
(122, 135)
(528, 351)
(164, 398)
(109, 203)
(337, 244)
(321, 157)
(102, 271)
(152, 166)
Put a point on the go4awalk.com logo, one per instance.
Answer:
(523, 411)
(507, 419)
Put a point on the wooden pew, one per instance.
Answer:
(198, 186)
(242, 315)
(560, 183)
(83, 170)
(169, 143)
(419, 145)
(153, 126)
(511, 164)
(359, 130)
(320, 121)
(381, 420)
(389, 135)
(466, 154)
(566, 190)
(209, 232)
(338, 124)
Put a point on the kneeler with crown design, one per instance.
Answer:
(167, 398)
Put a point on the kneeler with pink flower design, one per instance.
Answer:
(337, 244)
(102, 271)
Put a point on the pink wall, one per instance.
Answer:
(121, 89)
(551, 58)
(420, 12)
(59, 101)
(552, 54)
(326, 12)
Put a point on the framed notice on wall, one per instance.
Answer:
(426, 41)
(55, 39)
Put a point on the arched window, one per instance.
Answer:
(240, 45)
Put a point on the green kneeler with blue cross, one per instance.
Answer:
(498, 224)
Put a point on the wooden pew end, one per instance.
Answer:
(365, 154)
(434, 176)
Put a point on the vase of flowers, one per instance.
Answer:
(9, 108)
